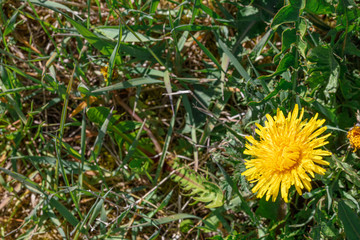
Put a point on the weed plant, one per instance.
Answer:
(126, 119)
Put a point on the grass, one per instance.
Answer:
(127, 119)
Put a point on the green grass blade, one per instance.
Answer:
(68, 216)
(233, 60)
(166, 143)
(208, 53)
(128, 84)
(168, 88)
(114, 55)
(188, 109)
(167, 219)
(83, 150)
(100, 137)
(133, 145)
(24, 180)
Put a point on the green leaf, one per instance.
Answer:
(324, 69)
(163, 204)
(128, 84)
(351, 48)
(227, 15)
(302, 28)
(139, 165)
(51, 5)
(119, 128)
(321, 58)
(96, 211)
(167, 219)
(333, 82)
(286, 14)
(70, 149)
(186, 225)
(55, 220)
(99, 114)
(198, 187)
(268, 209)
(285, 63)
(168, 88)
(100, 137)
(288, 38)
(112, 33)
(302, 47)
(21, 73)
(262, 43)
(208, 53)
(10, 26)
(16, 107)
(83, 89)
(5, 78)
(114, 55)
(210, 12)
(283, 85)
(32, 186)
(350, 221)
(319, 7)
(154, 5)
(299, 4)
(325, 111)
(68, 216)
(234, 61)
(351, 172)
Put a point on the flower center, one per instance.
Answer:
(287, 157)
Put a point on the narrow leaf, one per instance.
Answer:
(69, 217)
(128, 84)
(234, 61)
(164, 220)
(32, 186)
(350, 220)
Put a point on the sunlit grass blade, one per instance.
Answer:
(163, 220)
(187, 106)
(128, 84)
(24, 180)
(114, 55)
(234, 61)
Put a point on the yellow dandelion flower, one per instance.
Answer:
(286, 154)
(354, 137)
(104, 72)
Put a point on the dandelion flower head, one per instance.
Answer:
(287, 153)
(354, 137)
